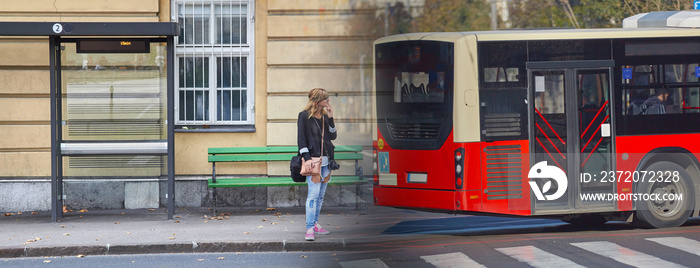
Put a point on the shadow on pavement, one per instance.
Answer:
(486, 225)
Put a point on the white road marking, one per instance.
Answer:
(368, 263)
(537, 257)
(685, 244)
(625, 255)
(457, 259)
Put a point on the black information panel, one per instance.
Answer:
(113, 46)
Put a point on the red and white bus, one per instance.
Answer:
(463, 117)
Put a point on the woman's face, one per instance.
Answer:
(325, 102)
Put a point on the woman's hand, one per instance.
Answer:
(308, 164)
(329, 110)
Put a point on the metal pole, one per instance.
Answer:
(59, 129)
(494, 15)
(55, 214)
(171, 126)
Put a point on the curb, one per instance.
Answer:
(193, 247)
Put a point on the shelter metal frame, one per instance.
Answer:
(61, 32)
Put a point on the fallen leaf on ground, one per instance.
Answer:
(116, 223)
(177, 221)
(224, 214)
(303, 256)
(172, 238)
(270, 209)
(260, 227)
(200, 259)
(264, 219)
(47, 261)
(246, 232)
(128, 232)
(81, 255)
(151, 209)
(83, 210)
(221, 258)
(34, 213)
(63, 226)
(8, 214)
(19, 213)
(66, 234)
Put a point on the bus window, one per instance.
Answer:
(500, 74)
(691, 100)
(417, 87)
(655, 101)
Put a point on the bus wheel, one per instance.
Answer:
(666, 200)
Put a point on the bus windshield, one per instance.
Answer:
(414, 81)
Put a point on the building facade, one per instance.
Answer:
(243, 69)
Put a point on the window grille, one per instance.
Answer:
(214, 62)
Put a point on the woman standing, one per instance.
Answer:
(315, 122)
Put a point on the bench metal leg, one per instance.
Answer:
(214, 195)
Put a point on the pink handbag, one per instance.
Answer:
(315, 169)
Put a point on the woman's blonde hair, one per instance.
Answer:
(316, 95)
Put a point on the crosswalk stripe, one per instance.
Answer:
(625, 255)
(457, 259)
(685, 244)
(537, 257)
(368, 263)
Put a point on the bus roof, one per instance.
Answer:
(546, 34)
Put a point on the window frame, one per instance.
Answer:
(213, 51)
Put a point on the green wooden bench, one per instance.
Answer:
(272, 154)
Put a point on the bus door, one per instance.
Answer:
(570, 129)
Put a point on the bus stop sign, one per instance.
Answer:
(696, 5)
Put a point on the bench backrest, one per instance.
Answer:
(275, 153)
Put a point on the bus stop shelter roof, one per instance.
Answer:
(664, 19)
(89, 29)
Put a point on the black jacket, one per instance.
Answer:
(309, 136)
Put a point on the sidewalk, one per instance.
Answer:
(192, 230)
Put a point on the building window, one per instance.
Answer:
(215, 62)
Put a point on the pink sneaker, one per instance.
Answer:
(310, 235)
(319, 230)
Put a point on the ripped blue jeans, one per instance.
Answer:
(314, 199)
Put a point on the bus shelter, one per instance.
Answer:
(111, 101)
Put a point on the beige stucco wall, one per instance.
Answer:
(299, 45)
(318, 44)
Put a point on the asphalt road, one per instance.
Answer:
(455, 241)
